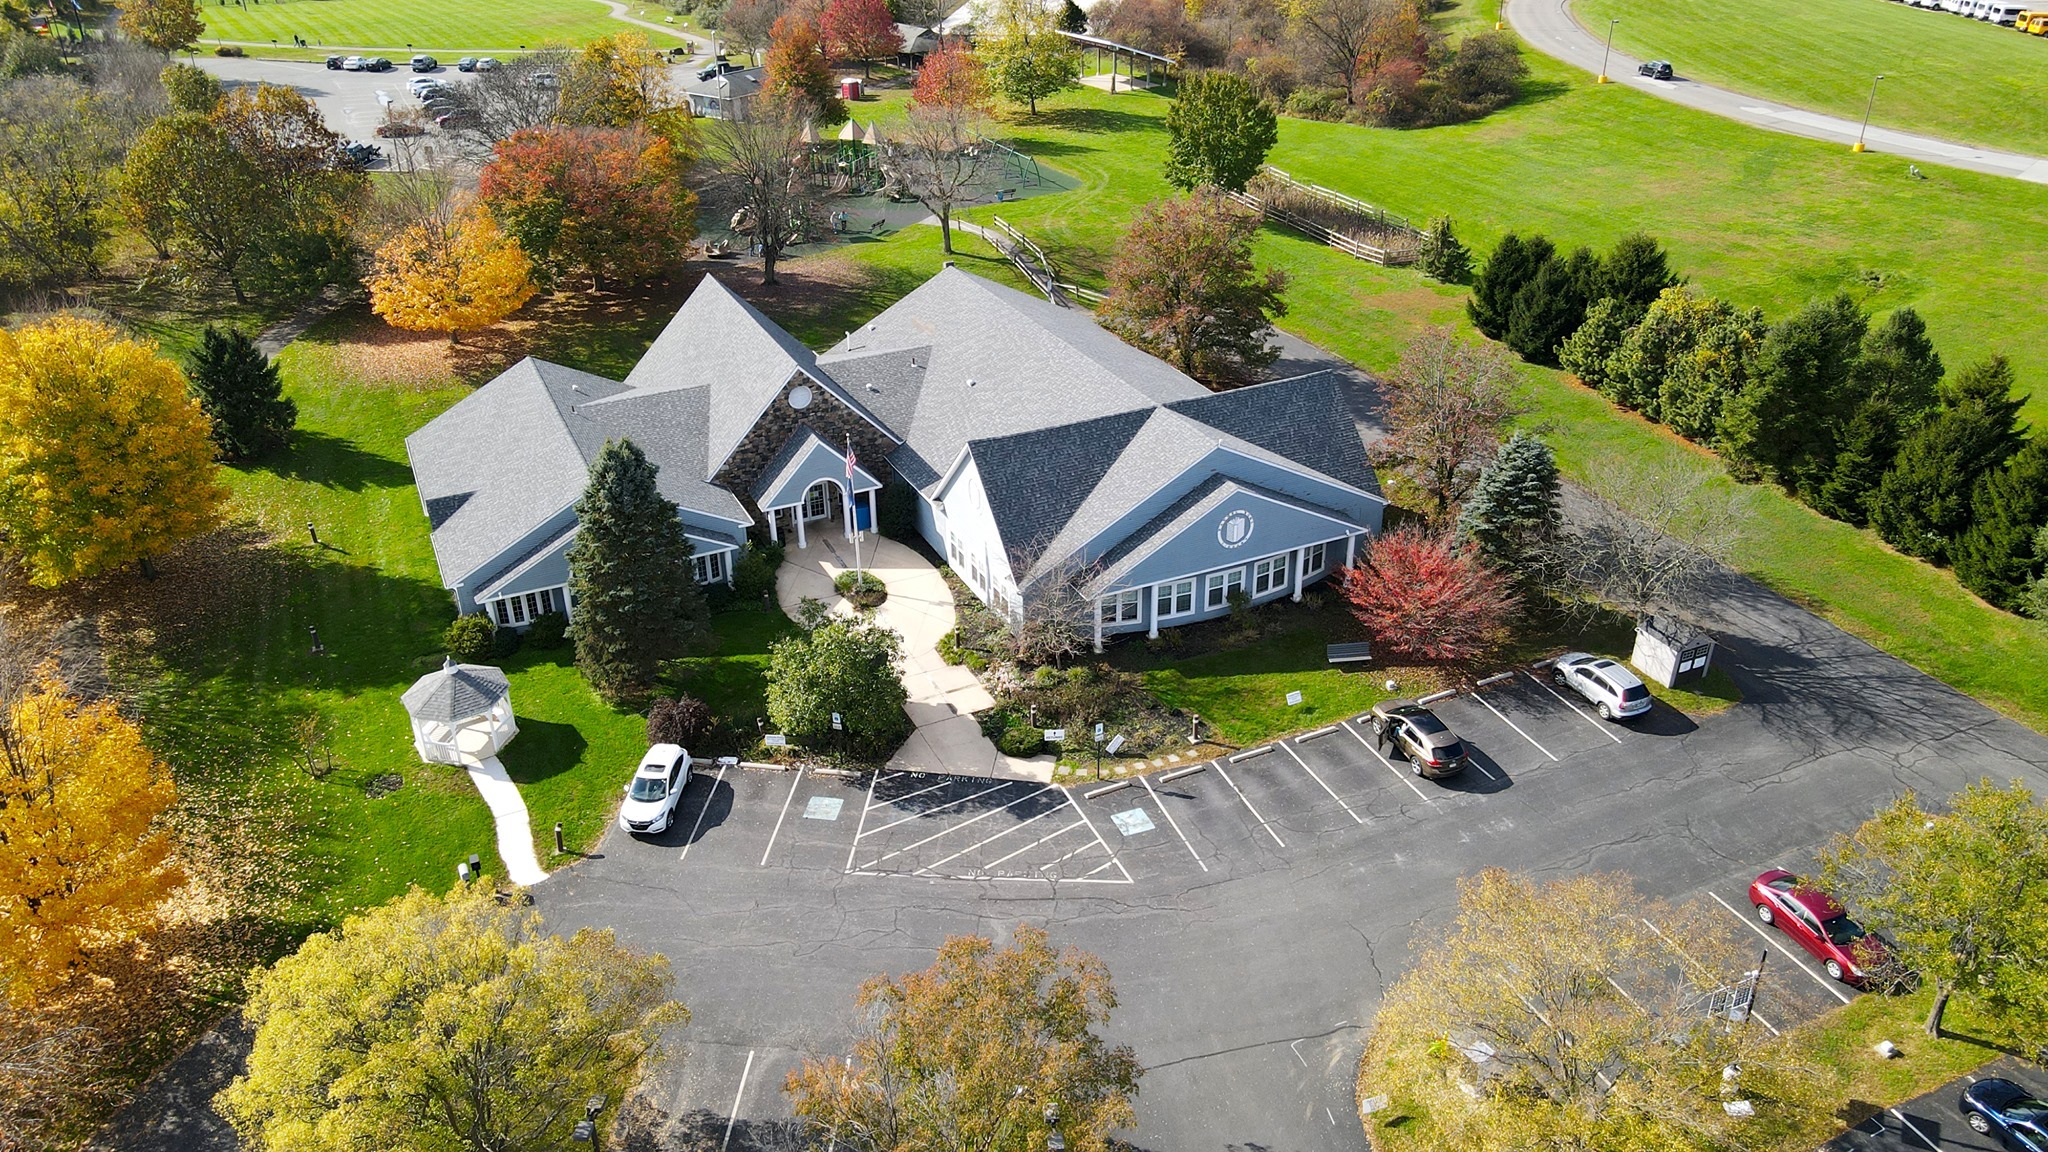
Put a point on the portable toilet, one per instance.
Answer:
(849, 87)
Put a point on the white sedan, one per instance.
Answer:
(657, 784)
(1608, 684)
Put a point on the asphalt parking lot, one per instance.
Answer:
(1933, 1123)
(1253, 909)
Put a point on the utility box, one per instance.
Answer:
(1671, 652)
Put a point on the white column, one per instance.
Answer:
(730, 557)
(1350, 551)
(1300, 554)
(775, 525)
(1098, 623)
(1151, 604)
(798, 516)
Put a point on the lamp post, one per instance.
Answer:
(1609, 52)
(1867, 106)
(585, 1131)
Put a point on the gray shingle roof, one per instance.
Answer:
(1303, 419)
(1036, 481)
(455, 692)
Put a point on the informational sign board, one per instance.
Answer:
(775, 741)
(837, 725)
(1114, 745)
(1293, 698)
(1098, 731)
(1372, 1104)
(1055, 735)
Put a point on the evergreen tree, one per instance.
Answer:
(1636, 272)
(1585, 353)
(1511, 267)
(237, 385)
(1923, 503)
(1868, 447)
(1551, 307)
(1218, 131)
(635, 590)
(1719, 363)
(1996, 557)
(1513, 507)
(1445, 259)
(1073, 19)
(2034, 601)
(1788, 421)
(1898, 365)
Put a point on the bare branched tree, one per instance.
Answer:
(940, 160)
(1448, 402)
(1057, 615)
(761, 162)
(524, 92)
(1651, 549)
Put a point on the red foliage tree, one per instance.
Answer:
(609, 203)
(953, 77)
(797, 75)
(1420, 594)
(860, 30)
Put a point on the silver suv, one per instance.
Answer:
(1608, 684)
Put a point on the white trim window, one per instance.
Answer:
(1121, 607)
(1221, 585)
(1312, 560)
(1176, 599)
(1270, 575)
(710, 567)
(519, 610)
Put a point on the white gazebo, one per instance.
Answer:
(461, 713)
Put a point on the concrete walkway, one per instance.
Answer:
(1550, 27)
(942, 697)
(515, 827)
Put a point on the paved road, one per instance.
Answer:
(1549, 26)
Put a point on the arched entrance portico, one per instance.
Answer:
(812, 483)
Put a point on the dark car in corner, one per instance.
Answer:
(2001, 1108)
(1432, 749)
(1655, 69)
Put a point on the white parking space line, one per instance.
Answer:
(1916, 1129)
(1602, 728)
(940, 808)
(1517, 727)
(1356, 818)
(733, 1116)
(956, 827)
(1068, 856)
(1774, 942)
(912, 796)
(1037, 842)
(701, 812)
(1248, 805)
(784, 816)
(988, 840)
(1351, 728)
(855, 846)
(1098, 839)
(1175, 823)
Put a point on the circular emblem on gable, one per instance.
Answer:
(1235, 529)
(800, 396)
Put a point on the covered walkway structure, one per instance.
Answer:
(1135, 67)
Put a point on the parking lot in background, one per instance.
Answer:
(1933, 1123)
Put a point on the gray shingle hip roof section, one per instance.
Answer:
(1292, 418)
(456, 692)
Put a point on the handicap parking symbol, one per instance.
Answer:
(823, 808)
(1133, 823)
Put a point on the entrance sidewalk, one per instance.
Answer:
(942, 697)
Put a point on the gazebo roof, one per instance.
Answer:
(455, 692)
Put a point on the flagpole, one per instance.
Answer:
(854, 505)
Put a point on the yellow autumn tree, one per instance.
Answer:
(450, 275)
(83, 862)
(105, 458)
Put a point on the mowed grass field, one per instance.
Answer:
(1762, 218)
(1944, 75)
(446, 25)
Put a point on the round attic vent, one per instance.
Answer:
(800, 396)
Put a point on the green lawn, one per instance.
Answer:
(1958, 79)
(444, 26)
(1762, 218)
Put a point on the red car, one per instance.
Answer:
(1849, 952)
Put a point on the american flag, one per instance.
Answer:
(851, 459)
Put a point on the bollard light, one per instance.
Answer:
(462, 873)
(559, 850)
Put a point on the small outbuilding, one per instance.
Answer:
(461, 713)
(1671, 651)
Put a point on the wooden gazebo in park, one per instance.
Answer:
(1135, 67)
(461, 713)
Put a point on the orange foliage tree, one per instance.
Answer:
(797, 75)
(1420, 594)
(608, 203)
(83, 862)
(860, 30)
(953, 77)
(450, 275)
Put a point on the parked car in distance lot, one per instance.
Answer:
(716, 69)
(1607, 684)
(657, 784)
(1819, 924)
(1432, 749)
(376, 64)
(424, 63)
(466, 64)
(397, 129)
(2001, 1108)
(486, 63)
(334, 63)
(356, 156)
(1655, 69)
(544, 80)
(353, 63)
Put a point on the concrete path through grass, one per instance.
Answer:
(1550, 27)
(942, 697)
(515, 827)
